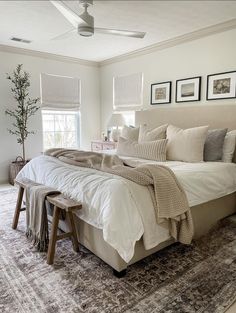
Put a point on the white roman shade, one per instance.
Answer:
(59, 92)
(128, 92)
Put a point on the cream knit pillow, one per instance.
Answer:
(186, 144)
(130, 133)
(151, 150)
(145, 134)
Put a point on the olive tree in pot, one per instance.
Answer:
(25, 108)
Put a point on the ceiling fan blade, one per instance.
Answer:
(67, 12)
(65, 35)
(126, 33)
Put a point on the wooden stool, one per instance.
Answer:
(22, 185)
(61, 203)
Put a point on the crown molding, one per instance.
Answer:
(204, 32)
(46, 55)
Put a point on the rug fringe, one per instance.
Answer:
(41, 244)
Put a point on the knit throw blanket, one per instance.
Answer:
(36, 214)
(169, 199)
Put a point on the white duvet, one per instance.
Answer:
(124, 209)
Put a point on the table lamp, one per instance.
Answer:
(116, 120)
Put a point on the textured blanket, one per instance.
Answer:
(169, 199)
(36, 214)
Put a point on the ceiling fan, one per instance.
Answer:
(84, 23)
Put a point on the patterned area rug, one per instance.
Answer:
(178, 279)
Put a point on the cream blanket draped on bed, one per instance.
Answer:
(169, 199)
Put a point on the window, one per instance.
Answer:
(61, 129)
(60, 92)
(128, 92)
(129, 117)
(60, 103)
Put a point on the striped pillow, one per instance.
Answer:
(151, 150)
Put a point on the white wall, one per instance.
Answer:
(90, 104)
(213, 54)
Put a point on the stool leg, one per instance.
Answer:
(18, 207)
(53, 237)
(74, 234)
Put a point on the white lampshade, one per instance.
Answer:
(116, 120)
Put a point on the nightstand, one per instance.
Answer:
(99, 145)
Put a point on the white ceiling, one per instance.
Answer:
(39, 21)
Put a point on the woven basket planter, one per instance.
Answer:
(15, 168)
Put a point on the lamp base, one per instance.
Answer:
(115, 134)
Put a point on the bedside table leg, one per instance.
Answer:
(18, 207)
(53, 236)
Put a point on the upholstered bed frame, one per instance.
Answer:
(204, 216)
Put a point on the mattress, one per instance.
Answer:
(123, 209)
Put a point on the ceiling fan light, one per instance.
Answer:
(85, 2)
(85, 31)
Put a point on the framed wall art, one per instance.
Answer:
(161, 93)
(188, 89)
(221, 86)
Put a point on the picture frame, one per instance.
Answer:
(188, 89)
(161, 93)
(221, 86)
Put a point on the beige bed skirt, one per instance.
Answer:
(205, 216)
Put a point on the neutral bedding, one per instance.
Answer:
(122, 208)
(168, 197)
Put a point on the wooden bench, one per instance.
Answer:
(22, 184)
(70, 206)
(60, 203)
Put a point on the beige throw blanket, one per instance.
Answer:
(36, 214)
(169, 199)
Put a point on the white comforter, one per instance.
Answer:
(123, 209)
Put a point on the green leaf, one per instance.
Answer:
(25, 107)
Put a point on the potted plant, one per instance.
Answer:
(26, 107)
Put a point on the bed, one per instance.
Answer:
(117, 222)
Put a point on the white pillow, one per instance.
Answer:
(146, 134)
(150, 150)
(130, 133)
(186, 144)
(229, 146)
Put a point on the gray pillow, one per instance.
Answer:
(213, 148)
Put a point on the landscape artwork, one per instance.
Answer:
(188, 89)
